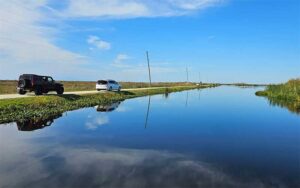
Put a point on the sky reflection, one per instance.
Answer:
(221, 137)
(52, 165)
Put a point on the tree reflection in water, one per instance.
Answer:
(290, 105)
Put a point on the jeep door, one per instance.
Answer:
(50, 85)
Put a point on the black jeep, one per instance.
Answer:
(38, 84)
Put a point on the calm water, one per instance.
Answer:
(220, 137)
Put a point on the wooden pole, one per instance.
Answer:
(147, 54)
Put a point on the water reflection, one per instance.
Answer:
(291, 106)
(80, 166)
(34, 124)
(148, 109)
(199, 94)
(108, 107)
(237, 141)
(94, 122)
(186, 98)
(166, 95)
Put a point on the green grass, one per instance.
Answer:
(43, 107)
(9, 86)
(287, 94)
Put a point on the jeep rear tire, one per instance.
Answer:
(38, 90)
(60, 90)
(22, 92)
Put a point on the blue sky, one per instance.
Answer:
(255, 41)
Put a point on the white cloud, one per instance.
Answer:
(193, 4)
(93, 124)
(105, 8)
(29, 31)
(121, 57)
(119, 61)
(98, 43)
(26, 42)
(134, 8)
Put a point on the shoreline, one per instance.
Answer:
(42, 107)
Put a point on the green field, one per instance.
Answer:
(287, 94)
(42, 107)
(9, 86)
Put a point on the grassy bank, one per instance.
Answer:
(245, 85)
(43, 107)
(9, 86)
(287, 94)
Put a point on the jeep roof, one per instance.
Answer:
(25, 75)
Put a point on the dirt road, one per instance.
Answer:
(13, 96)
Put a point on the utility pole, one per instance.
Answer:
(187, 74)
(199, 78)
(147, 54)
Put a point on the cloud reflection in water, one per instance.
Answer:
(53, 165)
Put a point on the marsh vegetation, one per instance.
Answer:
(43, 107)
(284, 95)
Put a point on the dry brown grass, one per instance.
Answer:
(9, 86)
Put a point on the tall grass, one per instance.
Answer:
(289, 91)
(287, 94)
(9, 86)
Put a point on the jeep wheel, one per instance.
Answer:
(38, 90)
(22, 92)
(60, 91)
(119, 89)
(110, 89)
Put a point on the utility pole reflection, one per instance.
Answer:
(148, 109)
(187, 98)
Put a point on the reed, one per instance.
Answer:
(287, 94)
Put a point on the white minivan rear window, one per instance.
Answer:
(103, 82)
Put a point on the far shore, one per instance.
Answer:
(9, 86)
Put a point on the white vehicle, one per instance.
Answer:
(108, 85)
